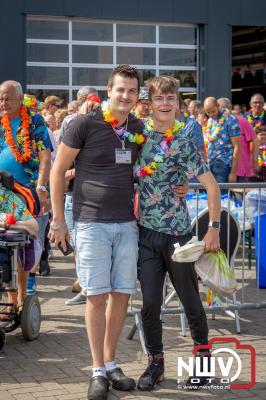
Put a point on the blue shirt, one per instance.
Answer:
(25, 173)
(219, 132)
(8, 161)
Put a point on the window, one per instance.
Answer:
(64, 54)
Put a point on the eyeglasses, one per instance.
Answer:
(164, 100)
(55, 105)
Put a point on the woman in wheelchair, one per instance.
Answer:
(15, 215)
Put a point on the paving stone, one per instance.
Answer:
(58, 365)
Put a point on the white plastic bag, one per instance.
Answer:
(215, 272)
(190, 252)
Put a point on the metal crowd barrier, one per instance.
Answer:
(238, 301)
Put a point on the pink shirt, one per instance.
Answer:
(247, 135)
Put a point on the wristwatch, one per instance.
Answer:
(41, 188)
(214, 224)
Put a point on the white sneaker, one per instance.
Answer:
(80, 298)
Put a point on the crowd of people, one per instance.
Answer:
(81, 165)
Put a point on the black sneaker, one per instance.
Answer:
(153, 374)
(200, 380)
(98, 388)
(44, 269)
(119, 380)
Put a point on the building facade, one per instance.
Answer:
(57, 46)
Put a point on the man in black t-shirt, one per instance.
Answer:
(104, 145)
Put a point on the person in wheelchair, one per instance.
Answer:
(14, 214)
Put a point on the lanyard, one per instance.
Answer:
(119, 132)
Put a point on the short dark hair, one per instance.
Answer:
(164, 84)
(126, 71)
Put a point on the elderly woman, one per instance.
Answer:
(15, 215)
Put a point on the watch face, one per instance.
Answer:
(216, 224)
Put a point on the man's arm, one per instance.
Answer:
(64, 159)
(235, 140)
(255, 155)
(212, 239)
(43, 174)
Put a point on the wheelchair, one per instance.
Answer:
(28, 317)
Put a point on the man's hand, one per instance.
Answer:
(232, 177)
(88, 106)
(255, 167)
(42, 199)
(212, 240)
(69, 175)
(59, 234)
(181, 190)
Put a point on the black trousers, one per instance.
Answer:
(155, 250)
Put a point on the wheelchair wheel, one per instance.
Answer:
(2, 338)
(31, 318)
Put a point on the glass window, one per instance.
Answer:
(177, 35)
(146, 74)
(135, 33)
(186, 78)
(92, 54)
(47, 29)
(92, 31)
(47, 52)
(90, 76)
(135, 55)
(184, 57)
(47, 76)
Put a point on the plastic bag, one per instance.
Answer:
(190, 252)
(215, 272)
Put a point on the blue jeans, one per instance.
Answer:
(42, 221)
(69, 215)
(220, 170)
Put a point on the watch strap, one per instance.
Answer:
(215, 224)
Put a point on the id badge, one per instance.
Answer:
(123, 156)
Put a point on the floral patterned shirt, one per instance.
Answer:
(40, 140)
(219, 143)
(11, 203)
(159, 208)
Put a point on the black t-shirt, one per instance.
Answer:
(103, 190)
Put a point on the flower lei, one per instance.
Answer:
(212, 135)
(262, 156)
(123, 134)
(251, 120)
(168, 137)
(25, 122)
(30, 102)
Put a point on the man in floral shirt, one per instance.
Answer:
(169, 157)
(25, 146)
(256, 117)
(223, 134)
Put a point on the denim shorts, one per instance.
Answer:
(220, 170)
(106, 257)
(69, 215)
